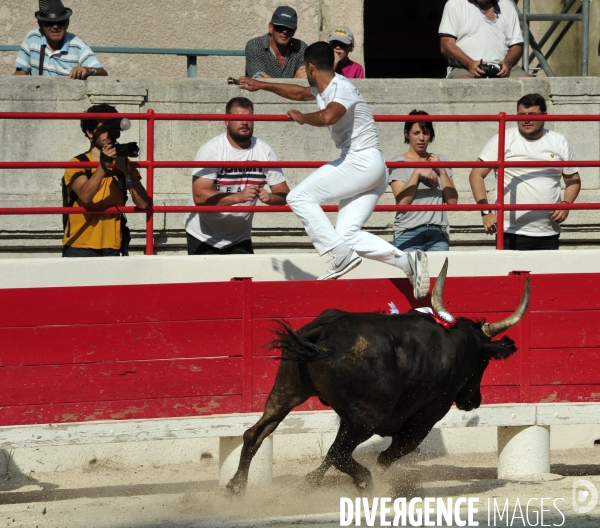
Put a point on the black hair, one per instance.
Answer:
(242, 102)
(426, 126)
(533, 99)
(90, 124)
(320, 55)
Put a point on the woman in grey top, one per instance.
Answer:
(425, 230)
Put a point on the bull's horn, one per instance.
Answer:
(494, 329)
(437, 302)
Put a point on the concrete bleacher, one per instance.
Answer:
(60, 140)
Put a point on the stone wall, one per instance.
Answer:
(61, 140)
(211, 24)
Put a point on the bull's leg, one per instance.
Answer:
(408, 438)
(340, 456)
(287, 393)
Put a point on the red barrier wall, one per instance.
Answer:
(150, 351)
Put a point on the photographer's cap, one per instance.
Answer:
(342, 34)
(285, 16)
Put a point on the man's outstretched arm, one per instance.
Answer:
(289, 91)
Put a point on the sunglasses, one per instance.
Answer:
(281, 29)
(61, 23)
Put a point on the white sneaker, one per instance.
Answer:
(418, 273)
(342, 265)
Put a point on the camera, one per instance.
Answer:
(115, 127)
(490, 70)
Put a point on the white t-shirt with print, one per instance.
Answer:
(356, 129)
(531, 185)
(223, 229)
(476, 35)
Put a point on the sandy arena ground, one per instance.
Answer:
(104, 495)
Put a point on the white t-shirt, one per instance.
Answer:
(223, 229)
(356, 129)
(476, 35)
(531, 185)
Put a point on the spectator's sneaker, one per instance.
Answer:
(342, 265)
(418, 273)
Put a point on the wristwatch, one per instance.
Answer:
(483, 213)
(94, 71)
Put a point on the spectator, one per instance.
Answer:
(530, 141)
(99, 235)
(475, 31)
(277, 54)
(62, 54)
(230, 233)
(425, 230)
(342, 41)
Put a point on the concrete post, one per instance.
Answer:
(523, 450)
(261, 469)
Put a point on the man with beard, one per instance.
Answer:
(98, 235)
(529, 141)
(230, 233)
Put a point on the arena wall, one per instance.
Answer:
(61, 140)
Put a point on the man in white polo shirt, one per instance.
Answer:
(530, 141)
(356, 179)
(478, 32)
(50, 50)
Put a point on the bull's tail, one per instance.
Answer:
(297, 346)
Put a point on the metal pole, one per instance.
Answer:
(150, 183)
(526, 7)
(585, 36)
(500, 182)
(192, 70)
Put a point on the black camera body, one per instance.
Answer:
(115, 127)
(490, 70)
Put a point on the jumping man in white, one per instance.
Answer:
(357, 179)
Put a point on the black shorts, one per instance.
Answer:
(196, 247)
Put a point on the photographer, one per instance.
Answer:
(481, 38)
(99, 235)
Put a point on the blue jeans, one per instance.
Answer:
(425, 237)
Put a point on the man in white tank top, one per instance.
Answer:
(356, 180)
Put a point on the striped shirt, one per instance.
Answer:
(74, 52)
(261, 58)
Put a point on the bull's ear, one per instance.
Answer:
(502, 349)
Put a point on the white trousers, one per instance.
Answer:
(356, 181)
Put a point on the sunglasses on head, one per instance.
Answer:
(61, 23)
(281, 29)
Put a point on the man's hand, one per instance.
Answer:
(296, 116)
(248, 83)
(489, 223)
(559, 216)
(264, 75)
(79, 72)
(505, 68)
(249, 194)
(264, 196)
(109, 150)
(301, 73)
(475, 70)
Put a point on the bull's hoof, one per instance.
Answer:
(364, 484)
(234, 489)
(314, 479)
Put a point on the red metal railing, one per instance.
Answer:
(150, 164)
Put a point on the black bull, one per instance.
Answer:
(390, 375)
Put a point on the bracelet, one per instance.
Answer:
(565, 201)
